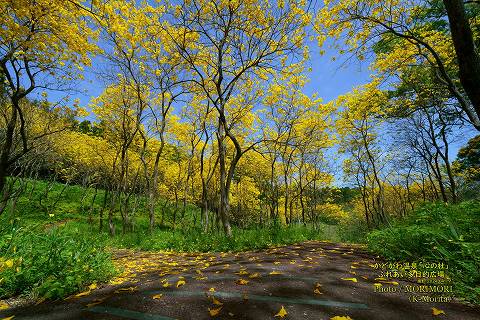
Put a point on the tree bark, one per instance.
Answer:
(7, 146)
(223, 208)
(467, 56)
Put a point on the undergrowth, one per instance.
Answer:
(438, 232)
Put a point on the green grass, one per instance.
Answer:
(51, 263)
(49, 247)
(196, 241)
(438, 232)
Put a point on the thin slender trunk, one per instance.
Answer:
(224, 205)
(90, 216)
(105, 197)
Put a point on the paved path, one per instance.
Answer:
(312, 280)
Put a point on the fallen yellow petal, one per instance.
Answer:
(129, 289)
(395, 283)
(180, 283)
(94, 303)
(275, 272)
(214, 312)
(4, 305)
(254, 275)
(82, 294)
(8, 318)
(350, 279)
(242, 272)
(216, 302)
(437, 312)
(241, 282)
(341, 318)
(282, 313)
(116, 281)
(157, 296)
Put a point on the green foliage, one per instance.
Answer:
(51, 262)
(196, 241)
(354, 230)
(467, 164)
(438, 232)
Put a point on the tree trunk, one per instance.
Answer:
(111, 224)
(7, 146)
(287, 197)
(104, 205)
(468, 59)
(90, 216)
(224, 205)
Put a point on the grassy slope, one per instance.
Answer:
(52, 248)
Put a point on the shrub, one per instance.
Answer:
(51, 263)
(438, 232)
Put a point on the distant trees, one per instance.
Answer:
(418, 66)
(43, 46)
(205, 104)
(226, 45)
(467, 167)
(359, 125)
(216, 57)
